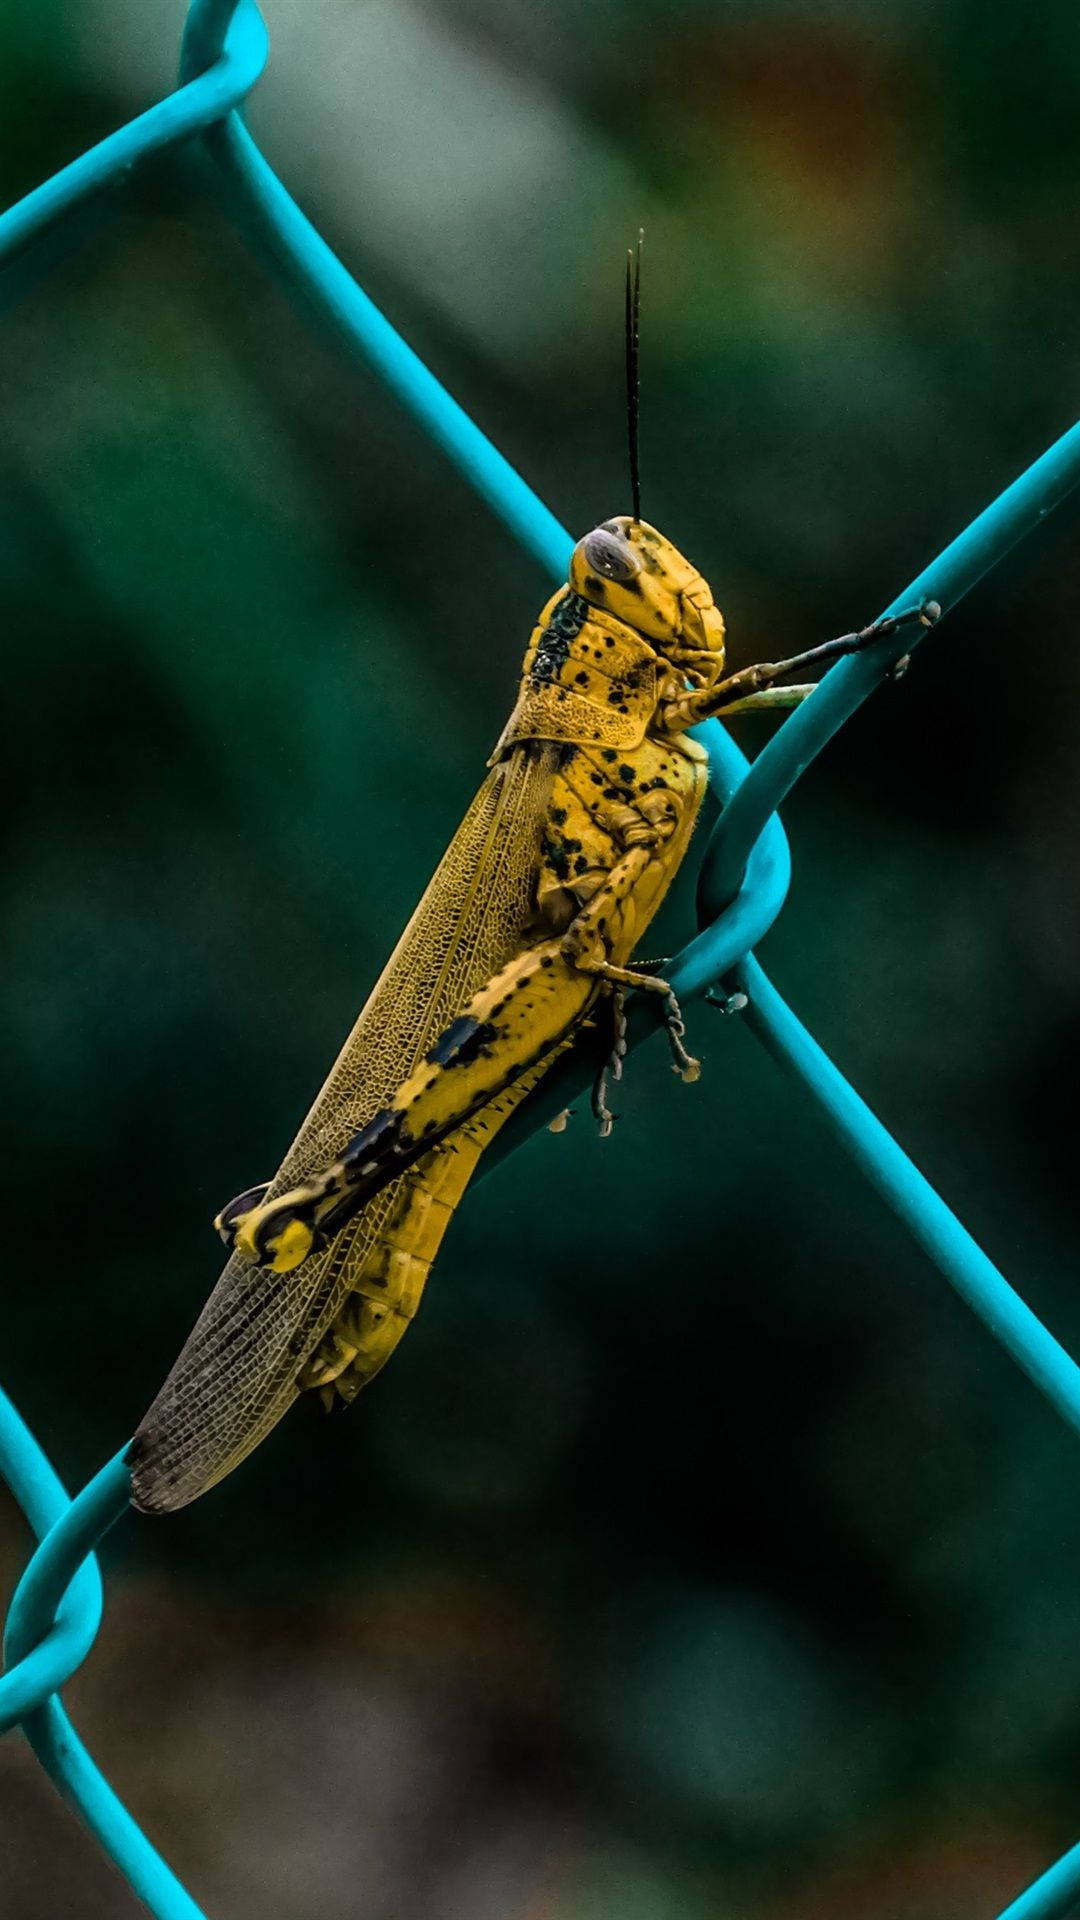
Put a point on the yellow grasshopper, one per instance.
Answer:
(526, 930)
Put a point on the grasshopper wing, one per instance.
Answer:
(237, 1372)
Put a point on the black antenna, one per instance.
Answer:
(633, 384)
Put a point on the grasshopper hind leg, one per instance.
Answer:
(585, 947)
(512, 1025)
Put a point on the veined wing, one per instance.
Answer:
(236, 1374)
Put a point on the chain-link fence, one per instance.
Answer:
(744, 877)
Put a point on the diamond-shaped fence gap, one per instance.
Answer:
(56, 1609)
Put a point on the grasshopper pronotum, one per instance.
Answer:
(526, 930)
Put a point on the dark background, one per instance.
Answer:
(698, 1555)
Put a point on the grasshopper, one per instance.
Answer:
(527, 930)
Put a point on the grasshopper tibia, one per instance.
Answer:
(756, 686)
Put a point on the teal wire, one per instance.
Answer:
(52, 1624)
(306, 257)
(954, 1253)
(190, 110)
(1053, 1896)
(1015, 513)
(66, 1547)
(952, 1249)
(84, 1786)
(310, 264)
(73, 1628)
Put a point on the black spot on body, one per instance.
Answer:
(558, 814)
(464, 1041)
(568, 616)
(625, 772)
(582, 679)
(554, 852)
(609, 753)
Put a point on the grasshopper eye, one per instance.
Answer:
(609, 556)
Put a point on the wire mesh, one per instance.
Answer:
(56, 1610)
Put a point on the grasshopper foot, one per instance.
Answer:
(602, 1114)
(613, 1065)
(926, 615)
(682, 1063)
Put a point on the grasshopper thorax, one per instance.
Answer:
(628, 569)
(635, 623)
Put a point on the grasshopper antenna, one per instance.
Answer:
(633, 382)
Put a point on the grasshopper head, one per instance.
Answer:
(625, 567)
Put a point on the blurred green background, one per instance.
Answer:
(698, 1555)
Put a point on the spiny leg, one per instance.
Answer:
(684, 1063)
(674, 1024)
(618, 1021)
(602, 1113)
(756, 679)
(769, 699)
(517, 1019)
(741, 687)
(586, 942)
